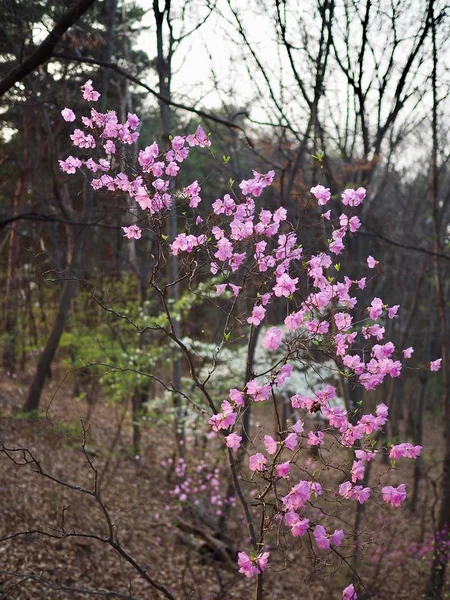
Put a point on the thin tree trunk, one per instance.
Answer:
(48, 354)
(439, 563)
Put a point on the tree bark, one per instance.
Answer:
(46, 358)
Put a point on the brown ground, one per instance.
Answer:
(136, 494)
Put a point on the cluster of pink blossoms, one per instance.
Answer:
(246, 240)
(150, 189)
(253, 566)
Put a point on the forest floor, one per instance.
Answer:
(177, 547)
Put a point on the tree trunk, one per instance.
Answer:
(439, 564)
(48, 354)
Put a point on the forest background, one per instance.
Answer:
(323, 92)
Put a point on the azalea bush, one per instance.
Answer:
(247, 263)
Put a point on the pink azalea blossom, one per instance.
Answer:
(407, 352)
(272, 338)
(343, 321)
(70, 165)
(298, 526)
(285, 286)
(376, 308)
(133, 231)
(349, 593)
(298, 426)
(233, 441)
(283, 469)
(435, 365)
(395, 496)
(237, 397)
(392, 311)
(315, 439)
(199, 139)
(321, 537)
(257, 462)
(337, 537)
(297, 496)
(284, 374)
(270, 444)
(321, 193)
(259, 392)
(405, 450)
(371, 262)
(88, 92)
(68, 115)
(291, 441)
(257, 316)
(353, 197)
(247, 566)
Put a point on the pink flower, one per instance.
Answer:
(283, 469)
(315, 439)
(272, 338)
(371, 262)
(337, 537)
(285, 286)
(225, 419)
(297, 496)
(353, 197)
(321, 193)
(133, 231)
(237, 397)
(376, 308)
(233, 441)
(321, 537)
(346, 489)
(405, 450)
(349, 593)
(253, 566)
(298, 526)
(284, 374)
(247, 567)
(70, 165)
(257, 315)
(270, 444)
(257, 462)
(198, 139)
(291, 441)
(435, 365)
(327, 215)
(361, 494)
(343, 321)
(298, 426)
(262, 560)
(110, 147)
(68, 115)
(407, 352)
(392, 311)
(133, 121)
(395, 496)
(88, 92)
(354, 224)
(259, 392)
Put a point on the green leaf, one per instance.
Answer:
(164, 237)
(226, 159)
(231, 181)
(337, 267)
